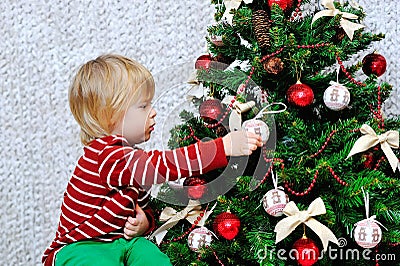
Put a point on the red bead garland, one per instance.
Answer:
(310, 187)
(272, 54)
(378, 163)
(328, 139)
(191, 135)
(378, 114)
(340, 181)
(312, 46)
(265, 177)
(348, 75)
(214, 253)
(217, 258)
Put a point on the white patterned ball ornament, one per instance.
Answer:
(367, 233)
(258, 127)
(274, 201)
(337, 97)
(199, 238)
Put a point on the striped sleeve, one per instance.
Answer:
(122, 166)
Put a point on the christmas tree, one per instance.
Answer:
(327, 180)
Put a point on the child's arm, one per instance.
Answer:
(122, 165)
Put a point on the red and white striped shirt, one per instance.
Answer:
(111, 177)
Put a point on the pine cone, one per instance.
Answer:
(274, 65)
(340, 34)
(261, 26)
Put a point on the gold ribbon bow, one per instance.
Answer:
(232, 4)
(348, 26)
(295, 217)
(171, 217)
(388, 140)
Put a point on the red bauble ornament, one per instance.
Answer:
(210, 110)
(284, 4)
(203, 62)
(196, 187)
(368, 160)
(226, 225)
(374, 64)
(300, 95)
(307, 251)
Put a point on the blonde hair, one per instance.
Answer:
(102, 91)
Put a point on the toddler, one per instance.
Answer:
(110, 98)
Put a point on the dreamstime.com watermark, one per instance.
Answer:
(340, 253)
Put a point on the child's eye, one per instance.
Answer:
(145, 105)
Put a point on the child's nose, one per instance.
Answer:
(153, 113)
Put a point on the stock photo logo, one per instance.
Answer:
(186, 114)
(306, 252)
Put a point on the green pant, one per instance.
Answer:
(136, 252)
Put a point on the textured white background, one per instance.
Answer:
(42, 43)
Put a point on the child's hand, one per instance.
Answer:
(241, 143)
(136, 226)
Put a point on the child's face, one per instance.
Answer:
(138, 123)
